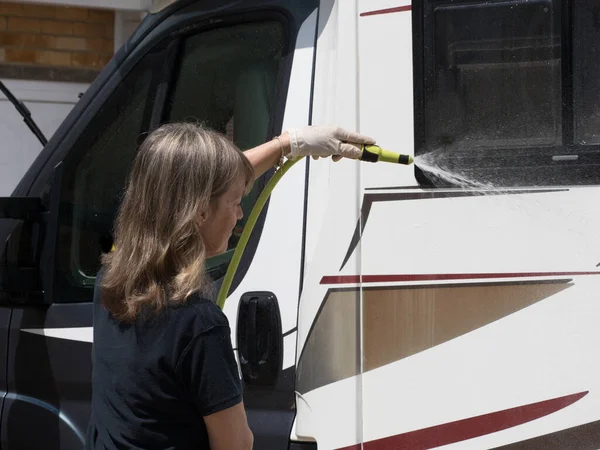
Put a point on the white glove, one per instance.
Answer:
(333, 141)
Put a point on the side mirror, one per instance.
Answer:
(21, 273)
(28, 254)
(21, 208)
(259, 338)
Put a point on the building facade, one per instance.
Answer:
(50, 51)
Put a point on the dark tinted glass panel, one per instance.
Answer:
(586, 71)
(495, 77)
(94, 177)
(227, 81)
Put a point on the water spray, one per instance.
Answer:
(370, 153)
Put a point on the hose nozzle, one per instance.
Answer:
(374, 153)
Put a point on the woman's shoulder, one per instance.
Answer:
(202, 314)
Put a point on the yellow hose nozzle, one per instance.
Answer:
(374, 153)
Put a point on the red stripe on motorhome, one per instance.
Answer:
(386, 11)
(354, 279)
(461, 430)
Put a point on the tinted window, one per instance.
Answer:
(495, 78)
(94, 176)
(504, 90)
(586, 71)
(225, 78)
(227, 81)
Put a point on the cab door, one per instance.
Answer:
(244, 70)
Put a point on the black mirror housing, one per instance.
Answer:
(259, 338)
(21, 208)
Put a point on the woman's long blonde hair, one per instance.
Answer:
(159, 254)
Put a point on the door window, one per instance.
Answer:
(225, 78)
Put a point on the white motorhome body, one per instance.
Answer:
(402, 311)
(455, 317)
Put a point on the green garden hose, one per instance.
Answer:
(252, 218)
(370, 153)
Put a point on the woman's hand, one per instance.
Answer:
(315, 141)
(318, 141)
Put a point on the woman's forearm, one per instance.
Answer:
(265, 156)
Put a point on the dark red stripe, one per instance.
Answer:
(473, 427)
(386, 11)
(343, 279)
(586, 436)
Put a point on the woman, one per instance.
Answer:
(164, 372)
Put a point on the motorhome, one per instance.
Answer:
(391, 307)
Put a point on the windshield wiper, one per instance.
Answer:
(25, 113)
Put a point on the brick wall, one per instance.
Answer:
(36, 37)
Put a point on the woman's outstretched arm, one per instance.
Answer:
(266, 155)
(315, 141)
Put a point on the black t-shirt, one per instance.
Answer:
(154, 380)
